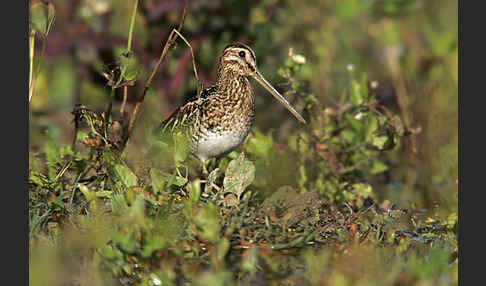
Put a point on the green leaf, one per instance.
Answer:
(378, 167)
(131, 75)
(356, 95)
(119, 170)
(348, 136)
(158, 180)
(379, 141)
(126, 175)
(89, 195)
(355, 124)
(371, 126)
(104, 194)
(181, 148)
(207, 219)
(194, 189)
(118, 203)
(161, 179)
(239, 175)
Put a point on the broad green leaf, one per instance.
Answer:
(119, 170)
(89, 195)
(158, 180)
(354, 123)
(118, 203)
(126, 176)
(131, 75)
(181, 148)
(371, 126)
(161, 179)
(378, 167)
(239, 175)
(379, 141)
(356, 95)
(348, 136)
(194, 189)
(207, 219)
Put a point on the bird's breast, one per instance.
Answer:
(212, 143)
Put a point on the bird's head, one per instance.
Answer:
(240, 59)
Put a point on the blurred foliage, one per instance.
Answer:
(367, 189)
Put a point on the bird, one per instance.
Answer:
(217, 121)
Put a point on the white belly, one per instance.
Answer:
(212, 144)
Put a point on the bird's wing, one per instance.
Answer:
(188, 115)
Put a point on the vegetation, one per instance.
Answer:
(364, 194)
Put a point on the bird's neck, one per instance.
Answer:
(234, 86)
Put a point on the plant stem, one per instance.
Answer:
(123, 71)
(129, 47)
(132, 24)
(108, 110)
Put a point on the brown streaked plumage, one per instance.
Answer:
(218, 121)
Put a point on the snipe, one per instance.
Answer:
(218, 121)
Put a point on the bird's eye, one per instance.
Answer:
(241, 54)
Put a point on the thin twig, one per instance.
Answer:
(124, 102)
(193, 62)
(170, 41)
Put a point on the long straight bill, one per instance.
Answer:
(261, 80)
